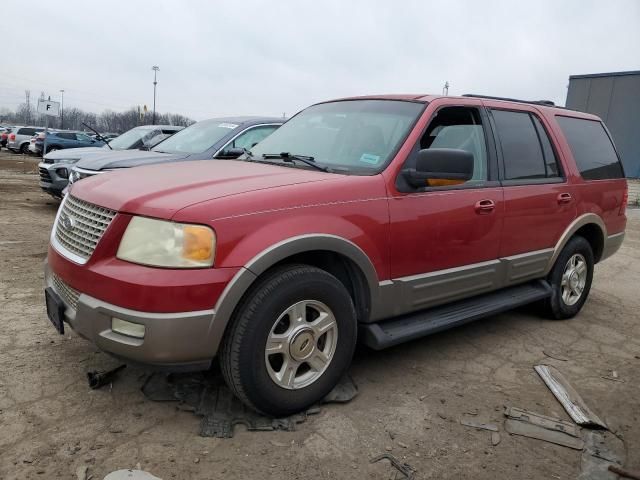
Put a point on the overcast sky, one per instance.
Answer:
(270, 57)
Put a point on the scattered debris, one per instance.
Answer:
(131, 475)
(480, 426)
(624, 473)
(555, 355)
(541, 427)
(495, 438)
(602, 450)
(404, 468)
(81, 472)
(568, 397)
(206, 395)
(99, 379)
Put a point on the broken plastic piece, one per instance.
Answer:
(130, 475)
(568, 397)
(98, 379)
(541, 427)
(481, 426)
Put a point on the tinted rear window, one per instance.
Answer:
(592, 148)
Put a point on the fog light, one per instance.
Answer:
(129, 329)
(63, 172)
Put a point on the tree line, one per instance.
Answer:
(105, 122)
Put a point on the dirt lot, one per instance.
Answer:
(411, 399)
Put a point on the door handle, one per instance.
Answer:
(564, 198)
(483, 207)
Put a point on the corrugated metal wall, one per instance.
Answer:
(616, 99)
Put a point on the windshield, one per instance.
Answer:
(138, 137)
(358, 136)
(197, 138)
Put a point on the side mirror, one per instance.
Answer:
(446, 165)
(231, 153)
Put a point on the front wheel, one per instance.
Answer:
(291, 340)
(570, 279)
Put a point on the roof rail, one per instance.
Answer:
(547, 103)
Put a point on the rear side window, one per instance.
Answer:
(26, 131)
(592, 148)
(526, 149)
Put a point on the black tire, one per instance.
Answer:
(24, 148)
(242, 355)
(555, 307)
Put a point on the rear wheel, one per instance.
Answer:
(24, 148)
(291, 340)
(570, 279)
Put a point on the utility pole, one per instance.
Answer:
(62, 109)
(27, 99)
(155, 69)
(445, 89)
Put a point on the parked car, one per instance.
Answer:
(65, 139)
(20, 137)
(4, 136)
(214, 138)
(381, 218)
(56, 165)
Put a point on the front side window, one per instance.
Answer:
(354, 136)
(591, 148)
(82, 137)
(196, 138)
(459, 128)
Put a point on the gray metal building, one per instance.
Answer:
(614, 97)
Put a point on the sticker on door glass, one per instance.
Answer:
(370, 158)
(227, 125)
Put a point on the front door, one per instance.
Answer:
(445, 237)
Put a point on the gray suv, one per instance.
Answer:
(20, 138)
(56, 166)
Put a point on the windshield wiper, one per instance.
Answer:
(100, 137)
(291, 158)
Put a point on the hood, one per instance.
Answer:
(127, 158)
(72, 154)
(161, 190)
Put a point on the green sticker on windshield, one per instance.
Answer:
(370, 158)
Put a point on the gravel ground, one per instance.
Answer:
(411, 399)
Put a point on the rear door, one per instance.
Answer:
(445, 238)
(539, 204)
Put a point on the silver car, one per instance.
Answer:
(55, 167)
(20, 137)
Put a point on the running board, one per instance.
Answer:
(394, 331)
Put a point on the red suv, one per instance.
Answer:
(385, 218)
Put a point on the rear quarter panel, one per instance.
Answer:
(602, 197)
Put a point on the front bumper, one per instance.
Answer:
(50, 179)
(182, 340)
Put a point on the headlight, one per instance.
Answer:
(161, 243)
(73, 176)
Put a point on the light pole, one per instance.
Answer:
(62, 110)
(155, 69)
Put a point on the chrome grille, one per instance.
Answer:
(69, 294)
(80, 226)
